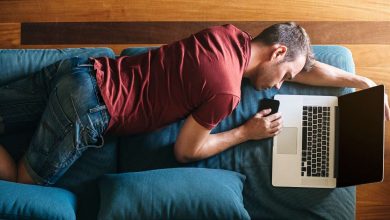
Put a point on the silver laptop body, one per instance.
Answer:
(306, 153)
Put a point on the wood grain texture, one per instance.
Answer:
(166, 32)
(9, 35)
(190, 10)
(370, 55)
(378, 74)
(377, 212)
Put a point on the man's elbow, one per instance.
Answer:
(185, 155)
(182, 158)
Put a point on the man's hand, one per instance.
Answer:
(369, 83)
(387, 109)
(261, 126)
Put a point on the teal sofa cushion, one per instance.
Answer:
(18, 63)
(21, 201)
(252, 158)
(177, 193)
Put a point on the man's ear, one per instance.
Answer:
(278, 52)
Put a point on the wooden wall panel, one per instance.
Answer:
(370, 55)
(9, 35)
(193, 10)
(378, 74)
(166, 32)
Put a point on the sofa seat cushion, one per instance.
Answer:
(177, 193)
(21, 201)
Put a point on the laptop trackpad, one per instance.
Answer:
(287, 141)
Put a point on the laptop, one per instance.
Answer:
(329, 141)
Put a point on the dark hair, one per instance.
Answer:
(291, 35)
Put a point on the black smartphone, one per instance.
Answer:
(269, 103)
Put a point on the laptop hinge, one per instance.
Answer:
(336, 144)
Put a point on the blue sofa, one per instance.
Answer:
(137, 177)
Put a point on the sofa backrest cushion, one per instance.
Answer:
(17, 63)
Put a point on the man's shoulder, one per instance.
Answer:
(227, 29)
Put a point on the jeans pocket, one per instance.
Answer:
(94, 124)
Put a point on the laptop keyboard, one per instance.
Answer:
(315, 141)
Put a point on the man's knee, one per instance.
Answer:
(8, 170)
(23, 176)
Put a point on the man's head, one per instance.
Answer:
(279, 53)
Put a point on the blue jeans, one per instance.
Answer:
(63, 104)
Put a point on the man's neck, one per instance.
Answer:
(258, 54)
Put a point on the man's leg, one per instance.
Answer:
(74, 119)
(22, 175)
(22, 104)
(8, 170)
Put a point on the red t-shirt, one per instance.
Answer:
(200, 75)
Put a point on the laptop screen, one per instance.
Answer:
(360, 149)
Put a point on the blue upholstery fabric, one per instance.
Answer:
(252, 158)
(80, 178)
(21, 201)
(177, 193)
(17, 63)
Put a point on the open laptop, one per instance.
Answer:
(329, 141)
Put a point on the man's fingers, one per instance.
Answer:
(264, 112)
(276, 123)
(276, 131)
(274, 117)
(387, 108)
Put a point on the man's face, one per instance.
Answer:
(273, 73)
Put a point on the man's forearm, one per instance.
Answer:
(326, 75)
(217, 143)
(258, 127)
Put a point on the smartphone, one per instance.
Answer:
(269, 103)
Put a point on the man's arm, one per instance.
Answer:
(195, 142)
(326, 75)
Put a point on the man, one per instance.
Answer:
(197, 78)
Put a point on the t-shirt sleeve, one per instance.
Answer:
(210, 113)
